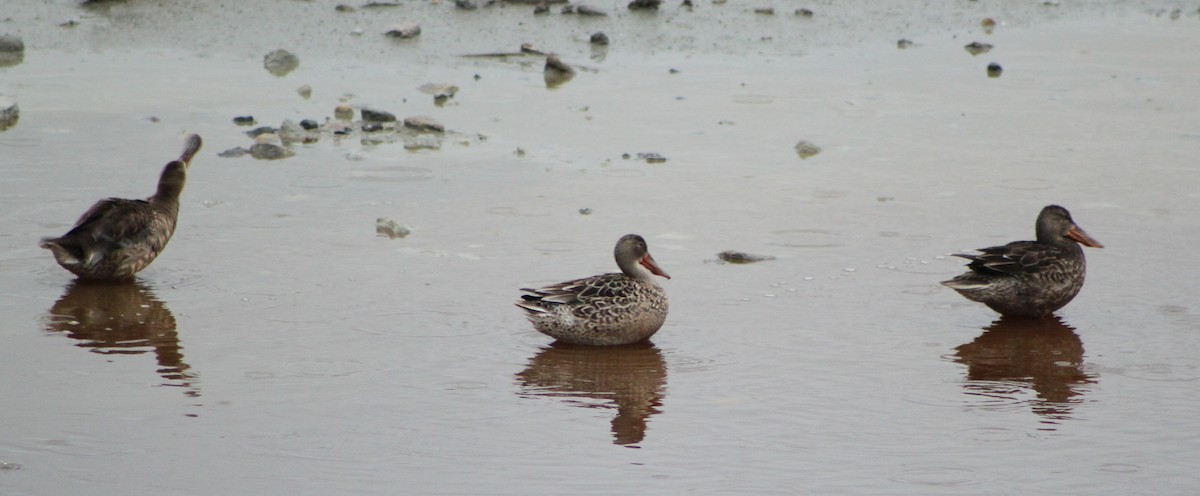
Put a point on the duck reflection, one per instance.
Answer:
(122, 319)
(629, 378)
(1044, 354)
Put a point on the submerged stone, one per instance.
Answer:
(737, 257)
(280, 62)
(390, 228)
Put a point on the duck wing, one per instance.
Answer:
(1013, 259)
(115, 222)
(577, 290)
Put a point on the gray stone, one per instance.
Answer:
(12, 50)
(424, 123)
(280, 62)
(372, 115)
(268, 151)
(737, 257)
(806, 149)
(405, 31)
(9, 113)
(390, 228)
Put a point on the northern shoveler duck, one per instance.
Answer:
(116, 238)
(1029, 278)
(608, 309)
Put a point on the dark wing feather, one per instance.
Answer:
(600, 286)
(114, 221)
(1016, 258)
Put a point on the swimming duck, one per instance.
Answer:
(116, 238)
(1029, 278)
(608, 309)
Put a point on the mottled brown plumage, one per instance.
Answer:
(116, 238)
(608, 309)
(1029, 278)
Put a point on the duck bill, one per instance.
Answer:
(1082, 238)
(648, 262)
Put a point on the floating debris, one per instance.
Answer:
(390, 228)
(737, 257)
(976, 48)
(806, 149)
(280, 62)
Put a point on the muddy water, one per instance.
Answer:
(278, 345)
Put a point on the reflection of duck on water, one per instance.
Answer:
(117, 319)
(1044, 354)
(630, 378)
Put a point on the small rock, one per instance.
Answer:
(233, 152)
(343, 8)
(372, 5)
(988, 25)
(69, 23)
(424, 123)
(290, 132)
(806, 149)
(372, 115)
(309, 124)
(765, 10)
(245, 120)
(904, 43)
(305, 92)
(585, 211)
(994, 70)
(687, 4)
(343, 112)
(9, 113)
(259, 131)
(556, 72)
(644, 4)
(806, 13)
(652, 158)
(567, 9)
(599, 38)
(541, 8)
(280, 62)
(976, 48)
(268, 151)
(466, 4)
(405, 31)
(737, 257)
(440, 91)
(390, 228)
(591, 11)
(12, 50)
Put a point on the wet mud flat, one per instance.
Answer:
(283, 341)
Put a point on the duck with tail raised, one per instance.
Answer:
(116, 238)
(1029, 278)
(608, 309)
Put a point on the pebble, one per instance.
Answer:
(466, 4)
(589, 10)
(424, 123)
(372, 115)
(440, 91)
(644, 4)
(343, 112)
(269, 151)
(904, 43)
(9, 113)
(994, 70)
(988, 25)
(806, 13)
(305, 92)
(259, 131)
(652, 158)
(12, 50)
(806, 149)
(765, 10)
(599, 38)
(280, 62)
(390, 228)
(245, 120)
(343, 8)
(556, 72)
(405, 31)
(422, 142)
(233, 152)
(585, 211)
(309, 124)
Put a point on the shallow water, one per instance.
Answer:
(279, 344)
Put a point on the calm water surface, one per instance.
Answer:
(278, 345)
